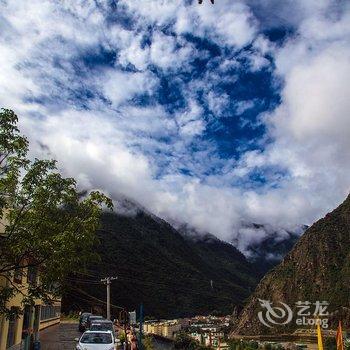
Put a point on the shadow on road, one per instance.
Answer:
(59, 337)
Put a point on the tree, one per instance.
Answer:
(47, 227)
(244, 345)
(330, 343)
(147, 343)
(185, 342)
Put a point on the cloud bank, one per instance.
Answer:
(215, 116)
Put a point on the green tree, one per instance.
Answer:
(47, 228)
(184, 342)
(330, 343)
(243, 345)
(147, 343)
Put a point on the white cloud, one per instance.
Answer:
(121, 148)
(311, 127)
(217, 103)
(155, 11)
(165, 54)
(190, 122)
(235, 27)
(243, 106)
(132, 52)
(120, 86)
(95, 153)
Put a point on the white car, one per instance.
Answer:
(96, 340)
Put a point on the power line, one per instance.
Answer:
(182, 289)
(203, 278)
(95, 298)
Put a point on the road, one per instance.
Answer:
(159, 344)
(59, 337)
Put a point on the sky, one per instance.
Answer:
(216, 116)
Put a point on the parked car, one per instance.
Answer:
(102, 325)
(92, 318)
(99, 340)
(83, 321)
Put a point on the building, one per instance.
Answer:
(166, 329)
(17, 333)
(209, 331)
(169, 329)
(197, 337)
(211, 338)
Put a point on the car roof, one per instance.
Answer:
(96, 316)
(104, 332)
(101, 321)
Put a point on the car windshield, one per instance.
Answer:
(95, 318)
(102, 327)
(96, 338)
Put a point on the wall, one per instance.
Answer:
(18, 328)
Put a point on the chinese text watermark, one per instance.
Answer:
(306, 314)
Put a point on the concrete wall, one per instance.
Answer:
(49, 323)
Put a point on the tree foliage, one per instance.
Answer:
(185, 342)
(47, 226)
(252, 345)
(148, 343)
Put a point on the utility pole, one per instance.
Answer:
(107, 282)
(141, 327)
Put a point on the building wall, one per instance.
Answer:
(4, 323)
(169, 330)
(17, 324)
(164, 329)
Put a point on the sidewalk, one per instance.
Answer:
(59, 337)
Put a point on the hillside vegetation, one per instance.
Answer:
(171, 274)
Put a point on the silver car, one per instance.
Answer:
(96, 340)
(102, 325)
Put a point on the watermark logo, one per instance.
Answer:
(307, 314)
(274, 315)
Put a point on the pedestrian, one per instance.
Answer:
(133, 342)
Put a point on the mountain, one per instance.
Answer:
(264, 252)
(172, 274)
(317, 269)
(268, 252)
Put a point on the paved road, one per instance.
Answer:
(159, 344)
(59, 337)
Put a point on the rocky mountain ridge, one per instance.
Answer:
(316, 270)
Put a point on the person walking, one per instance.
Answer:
(133, 342)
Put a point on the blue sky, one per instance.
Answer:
(213, 115)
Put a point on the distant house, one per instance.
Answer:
(166, 329)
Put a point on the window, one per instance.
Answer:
(104, 326)
(26, 317)
(49, 311)
(11, 334)
(32, 275)
(17, 276)
(96, 338)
